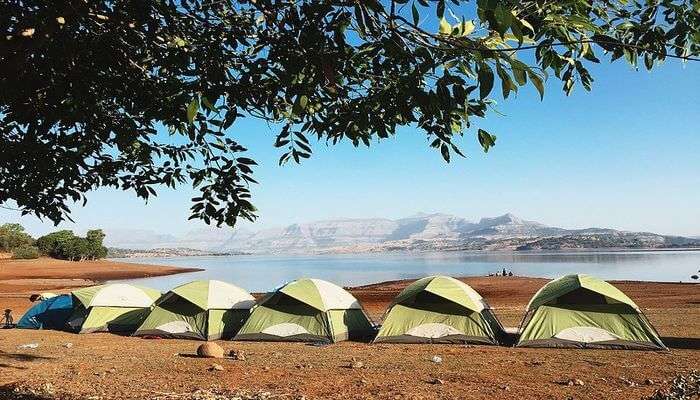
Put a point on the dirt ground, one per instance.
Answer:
(105, 366)
(20, 278)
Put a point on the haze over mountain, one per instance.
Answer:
(422, 232)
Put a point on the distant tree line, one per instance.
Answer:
(13, 239)
(67, 246)
(62, 244)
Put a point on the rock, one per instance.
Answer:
(578, 382)
(648, 382)
(68, 345)
(210, 350)
(357, 364)
(436, 359)
(266, 368)
(238, 355)
(505, 387)
(437, 381)
(216, 367)
(628, 382)
(47, 388)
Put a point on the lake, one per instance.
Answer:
(263, 273)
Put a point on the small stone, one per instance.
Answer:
(628, 382)
(238, 355)
(210, 350)
(436, 359)
(68, 345)
(437, 381)
(266, 368)
(505, 387)
(357, 364)
(47, 388)
(648, 382)
(578, 382)
(216, 367)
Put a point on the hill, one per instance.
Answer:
(421, 232)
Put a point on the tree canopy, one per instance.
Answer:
(65, 245)
(139, 94)
(13, 236)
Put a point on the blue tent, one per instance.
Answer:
(52, 313)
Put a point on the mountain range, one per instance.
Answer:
(421, 232)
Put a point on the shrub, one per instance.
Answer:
(25, 252)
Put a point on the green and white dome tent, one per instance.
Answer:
(116, 307)
(581, 311)
(309, 310)
(439, 309)
(204, 310)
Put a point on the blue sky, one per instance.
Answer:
(626, 156)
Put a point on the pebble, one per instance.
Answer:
(216, 367)
(437, 381)
(436, 359)
(357, 364)
(238, 355)
(68, 345)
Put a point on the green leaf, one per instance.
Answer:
(441, 9)
(208, 104)
(467, 27)
(503, 18)
(505, 81)
(537, 82)
(445, 27)
(486, 140)
(485, 80)
(192, 110)
(519, 71)
(445, 151)
(300, 105)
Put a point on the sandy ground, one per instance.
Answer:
(20, 278)
(104, 366)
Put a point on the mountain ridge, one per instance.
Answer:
(419, 232)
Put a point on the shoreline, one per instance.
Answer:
(20, 278)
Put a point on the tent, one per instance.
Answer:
(52, 313)
(114, 307)
(205, 310)
(309, 310)
(585, 312)
(439, 309)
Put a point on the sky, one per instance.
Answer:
(624, 156)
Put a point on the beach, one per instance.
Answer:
(106, 366)
(21, 278)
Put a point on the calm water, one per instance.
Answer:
(263, 273)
